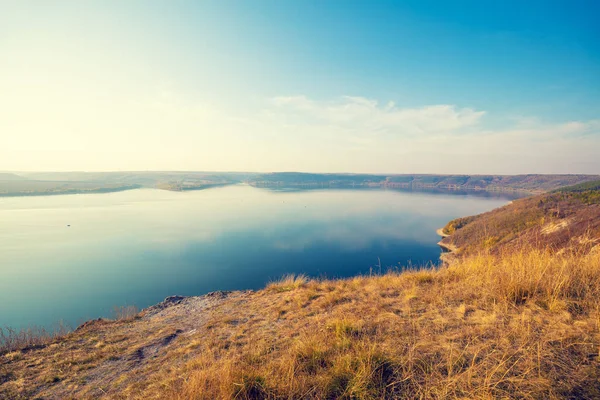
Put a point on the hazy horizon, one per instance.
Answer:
(415, 87)
(274, 172)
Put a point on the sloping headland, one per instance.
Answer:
(57, 183)
(505, 318)
(566, 219)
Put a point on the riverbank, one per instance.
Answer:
(441, 233)
(55, 183)
(66, 189)
(462, 331)
(564, 220)
(448, 250)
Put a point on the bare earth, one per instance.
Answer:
(101, 354)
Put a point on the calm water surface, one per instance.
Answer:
(137, 247)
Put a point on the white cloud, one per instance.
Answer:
(367, 116)
(359, 134)
(347, 134)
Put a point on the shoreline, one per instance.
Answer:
(422, 189)
(440, 232)
(448, 250)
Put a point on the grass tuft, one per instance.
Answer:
(288, 283)
(125, 313)
(32, 337)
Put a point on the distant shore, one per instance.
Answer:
(70, 191)
(57, 183)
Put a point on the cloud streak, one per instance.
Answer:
(287, 133)
(367, 116)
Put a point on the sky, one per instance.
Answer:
(463, 86)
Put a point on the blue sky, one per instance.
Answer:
(355, 86)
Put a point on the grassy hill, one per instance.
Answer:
(524, 326)
(564, 219)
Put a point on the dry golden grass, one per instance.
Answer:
(12, 339)
(122, 313)
(522, 325)
(525, 325)
(287, 283)
(567, 220)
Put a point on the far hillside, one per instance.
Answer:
(9, 188)
(561, 219)
(53, 183)
(524, 183)
(7, 176)
(45, 183)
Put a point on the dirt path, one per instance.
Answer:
(101, 354)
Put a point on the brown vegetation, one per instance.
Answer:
(521, 325)
(13, 339)
(565, 220)
(125, 312)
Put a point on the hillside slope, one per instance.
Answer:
(526, 325)
(7, 176)
(565, 219)
(524, 183)
(11, 188)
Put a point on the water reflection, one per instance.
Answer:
(508, 195)
(140, 246)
